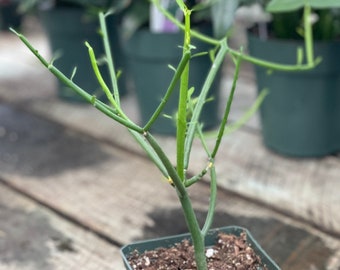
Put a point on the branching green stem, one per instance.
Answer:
(228, 107)
(150, 152)
(186, 129)
(212, 201)
(311, 63)
(189, 182)
(177, 181)
(202, 99)
(308, 34)
(109, 58)
(173, 83)
(275, 66)
(189, 213)
(99, 77)
(183, 100)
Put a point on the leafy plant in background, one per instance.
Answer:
(188, 126)
(286, 22)
(299, 117)
(219, 13)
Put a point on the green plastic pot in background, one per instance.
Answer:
(148, 55)
(210, 241)
(9, 16)
(301, 115)
(67, 29)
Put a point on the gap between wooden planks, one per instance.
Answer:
(32, 237)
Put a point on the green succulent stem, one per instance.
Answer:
(183, 100)
(188, 126)
(169, 92)
(109, 58)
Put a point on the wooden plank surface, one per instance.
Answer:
(305, 188)
(92, 183)
(33, 237)
(97, 191)
(296, 186)
(54, 163)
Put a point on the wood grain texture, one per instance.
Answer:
(97, 197)
(32, 237)
(306, 188)
(89, 183)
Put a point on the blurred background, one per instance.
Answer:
(74, 187)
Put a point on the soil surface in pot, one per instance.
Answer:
(230, 252)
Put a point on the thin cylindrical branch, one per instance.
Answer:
(109, 58)
(191, 131)
(173, 83)
(212, 201)
(227, 108)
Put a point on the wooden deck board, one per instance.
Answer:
(305, 188)
(93, 186)
(62, 168)
(32, 237)
(101, 195)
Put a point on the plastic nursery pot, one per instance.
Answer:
(9, 17)
(300, 116)
(210, 241)
(67, 29)
(149, 55)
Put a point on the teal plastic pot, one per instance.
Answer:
(9, 16)
(210, 241)
(67, 29)
(149, 55)
(301, 115)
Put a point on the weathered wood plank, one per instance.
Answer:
(89, 182)
(63, 169)
(32, 237)
(306, 188)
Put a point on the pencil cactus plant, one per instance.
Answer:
(188, 126)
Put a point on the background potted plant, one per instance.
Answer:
(68, 23)
(188, 127)
(9, 15)
(300, 116)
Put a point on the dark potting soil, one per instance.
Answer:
(230, 252)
